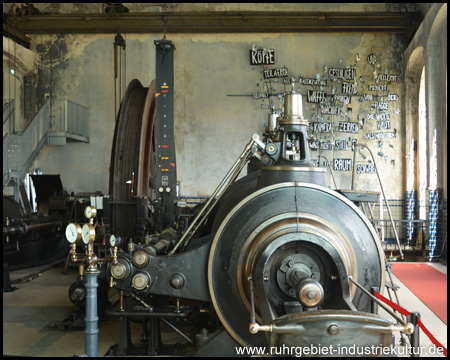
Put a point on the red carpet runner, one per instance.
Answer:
(427, 283)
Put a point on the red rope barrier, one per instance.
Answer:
(419, 323)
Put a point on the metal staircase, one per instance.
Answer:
(21, 148)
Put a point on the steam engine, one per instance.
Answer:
(269, 259)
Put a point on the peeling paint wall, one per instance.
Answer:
(19, 64)
(211, 127)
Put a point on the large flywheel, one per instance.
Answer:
(143, 166)
(288, 229)
(133, 160)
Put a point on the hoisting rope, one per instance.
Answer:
(419, 323)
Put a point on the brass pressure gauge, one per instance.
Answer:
(90, 212)
(73, 233)
(112, 240)
(88, 233)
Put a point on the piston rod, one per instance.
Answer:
(220, 190)
(408, 328)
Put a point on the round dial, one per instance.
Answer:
(88, 233)
(73, 232)
(112, 240)
(90, 212)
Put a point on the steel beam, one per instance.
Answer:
(220, 22)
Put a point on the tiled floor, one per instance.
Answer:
(44, 299)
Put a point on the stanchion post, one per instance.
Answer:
(415, 336)
(373, 304)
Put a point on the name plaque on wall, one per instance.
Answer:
(262, 56)
(342, 164)
(275, 73)
(314, 96)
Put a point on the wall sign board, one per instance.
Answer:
(322, 127)
(372, 59)
(387, 77)
(342, 164)
(381, 135)
(313, 82)
(392, 97)
(341, 74)
(314, 96)
(340, 145)
(380, 105)
(349, 88)
(349, 127)
(343, 99)
(275, 73)
(383, 125)
(382, 116)
(377, 87)
(262, 56)
(331, 110)
(365, 169)
(260, 96)
(322, 145)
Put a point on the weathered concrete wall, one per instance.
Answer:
(212, 127)
(18, 63)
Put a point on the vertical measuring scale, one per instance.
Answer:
(164, 133)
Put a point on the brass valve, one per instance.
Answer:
(114, 258)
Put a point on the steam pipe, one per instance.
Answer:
(384, 195)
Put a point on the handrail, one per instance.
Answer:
(382, 191)
(8, 117)
(71, 118)
(20, 150)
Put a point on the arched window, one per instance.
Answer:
(422, 149)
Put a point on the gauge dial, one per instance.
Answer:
(88, 234)
(73, 232)
(112, 240)
(90, 212)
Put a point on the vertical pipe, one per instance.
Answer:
(91, 319)
(353, 163)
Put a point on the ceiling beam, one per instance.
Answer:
(219, 22)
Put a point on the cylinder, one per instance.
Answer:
(272, 122)
(293, 107)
